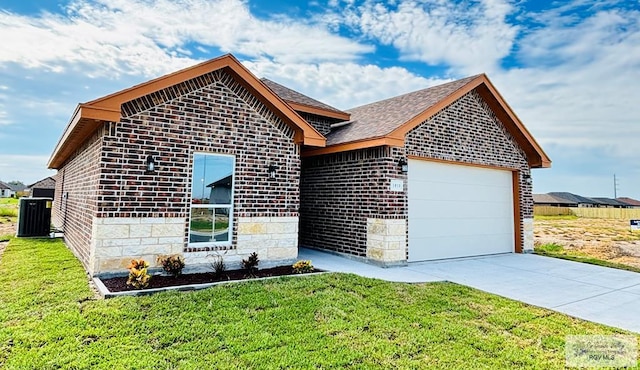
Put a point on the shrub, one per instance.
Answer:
(138, 276)
(173, 263)
(218, 265)
(302, 267)
(251, 263)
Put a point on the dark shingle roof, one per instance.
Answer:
(608, 202)
(4, 185)
(382, 117)
(46, 183)
(550, 199)
(629, 201)
(293, 96)
(573, 197)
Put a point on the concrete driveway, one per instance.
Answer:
(599, 294)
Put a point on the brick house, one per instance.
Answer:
(211, 160)
(44, 188)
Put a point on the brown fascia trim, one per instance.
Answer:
(535, 154)
(354, 145)
(107, 108)
(536, 157)
(343, 116)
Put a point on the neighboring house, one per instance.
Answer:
(438, 173)
(578, 200)
(608, 203)
(6, 191)
(44, 188)
(564, 199)
(630, 202)
(551, 201)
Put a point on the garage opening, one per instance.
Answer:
(459, 211)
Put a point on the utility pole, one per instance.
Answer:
(615, 187)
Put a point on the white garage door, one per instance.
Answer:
(458, 211)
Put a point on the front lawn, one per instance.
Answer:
(50, 319)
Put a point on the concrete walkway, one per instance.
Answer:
(599, 294)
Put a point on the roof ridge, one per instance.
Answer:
(397, 97)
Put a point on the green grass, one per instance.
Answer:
(14, 201)
(557, 251)
(49, 318)
(8, 207)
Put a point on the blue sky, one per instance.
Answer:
(569, 69)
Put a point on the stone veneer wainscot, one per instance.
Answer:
(118, 240)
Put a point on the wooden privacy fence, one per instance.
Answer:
(551, 211)
(611, 213)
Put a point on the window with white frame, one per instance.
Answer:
(211, 216)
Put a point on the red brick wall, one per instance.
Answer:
(320, 123)
(78, 179)
(340, 191)
(218, 116)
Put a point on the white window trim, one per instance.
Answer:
(213, 206)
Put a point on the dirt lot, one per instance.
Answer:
(609, 240)
(7, 226)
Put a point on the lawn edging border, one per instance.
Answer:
(106, 293)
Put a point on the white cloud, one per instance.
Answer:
(4, 117)
(579, 89)
(148, 37)
(342, 85)
(469, 37)
(25, 168)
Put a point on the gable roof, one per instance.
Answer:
(550, 199)
(4, 185)
(46, 183)
(88, 117)
(383, 117)
(578, 199)
(629, 201)
(388, 121)
(304, 103)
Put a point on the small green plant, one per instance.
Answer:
(218, 265)
(251, 264)
(138, 276)
(173, 263)
(302, 267)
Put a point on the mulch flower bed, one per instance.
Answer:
(119, 284)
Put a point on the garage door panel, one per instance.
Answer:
(449, 173)
(455, 248)
(455, 191)
(458, 211)
(429, 209)
(459, 227)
